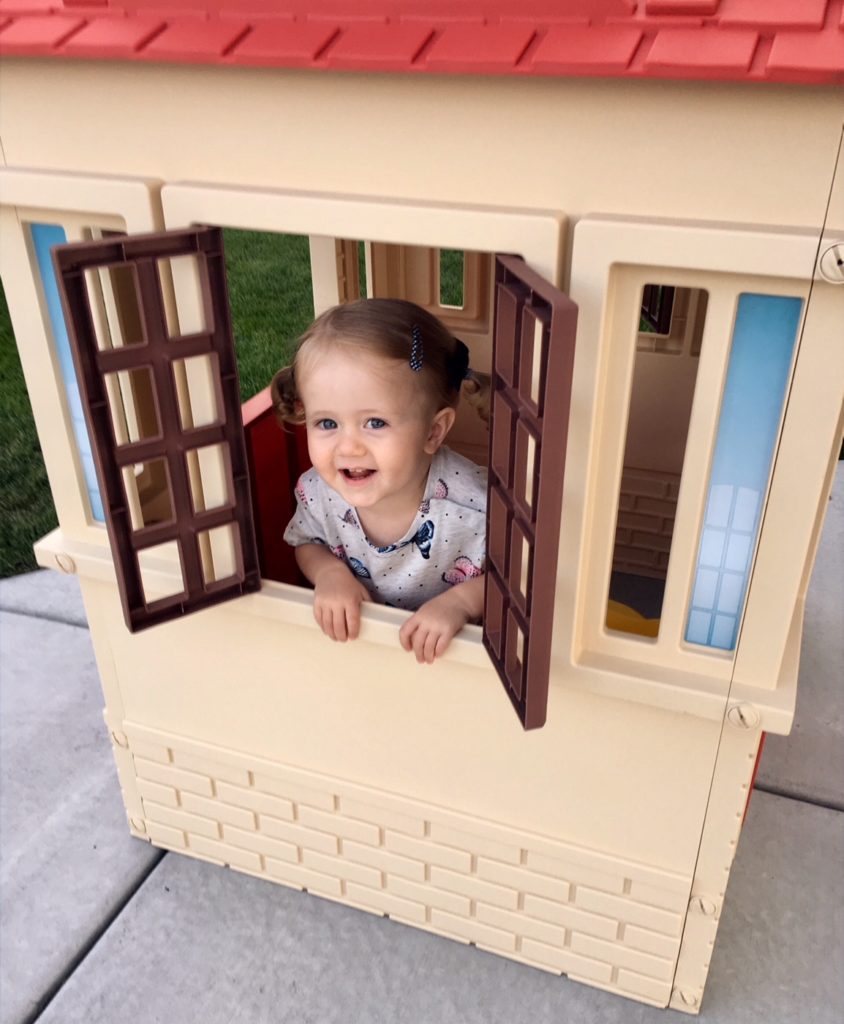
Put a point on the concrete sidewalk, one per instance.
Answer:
(101, 928)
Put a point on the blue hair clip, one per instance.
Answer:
(416, 349)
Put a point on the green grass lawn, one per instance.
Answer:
(271, 302)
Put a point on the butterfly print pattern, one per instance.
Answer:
(359, 569)
(423, 538)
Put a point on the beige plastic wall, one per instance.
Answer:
(590, 847)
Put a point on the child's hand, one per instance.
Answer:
(429, 631)
(337, 600)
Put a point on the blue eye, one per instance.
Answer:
(375, 423)
(326, 424)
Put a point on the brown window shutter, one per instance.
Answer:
(153, 355)
(533, 359)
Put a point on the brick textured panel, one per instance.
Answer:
(480, 844)
(526, 881)
(166, 795)
(559, 906)
(347, 870)
(226, 853)
(567, 962)
(214, 769)
(289, 831)
(520, 924)
(656, 896)
(475, 931)
(262, 844)
(382, 817)
(303, 878)
(430, 896)
(653, 918)
(620, 956)
(631, 983)
(475, 888)
(346, 828)
(428, 852)
(152, 752)
(292, 790)
(383, 860)
(239, 796)
(570, 917)
(179, 779)
(166, 835)
(576, 873)
(180, 819)
(385, 902)
(649, 942)
(238, 816)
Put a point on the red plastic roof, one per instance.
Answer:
(798, 41)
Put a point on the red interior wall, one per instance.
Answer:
(276, 457)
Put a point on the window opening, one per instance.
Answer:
(450, 276)
(663, 383)
(761, 354)
(43, 238)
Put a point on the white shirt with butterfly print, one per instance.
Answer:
(445, 545)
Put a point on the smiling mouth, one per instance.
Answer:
(357, 475)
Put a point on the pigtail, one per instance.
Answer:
(477, 390)
(286, 403)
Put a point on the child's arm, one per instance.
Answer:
(429, 631)
(337, 594)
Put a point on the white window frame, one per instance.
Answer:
(76, 203)
(537, 236)
(613, 258)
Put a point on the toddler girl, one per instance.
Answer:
(386, 513)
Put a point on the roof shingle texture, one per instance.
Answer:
(799, 41)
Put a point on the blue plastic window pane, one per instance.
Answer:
(760, 357)
(44, 237)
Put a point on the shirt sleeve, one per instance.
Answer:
(307, 525)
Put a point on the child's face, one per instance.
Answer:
(371, 433)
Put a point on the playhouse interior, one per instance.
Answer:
(458, 287)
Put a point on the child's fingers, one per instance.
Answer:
(407, 631)
(442, 644)
(353, 621)
(429, 651)
(339, 620)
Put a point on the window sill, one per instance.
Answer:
(280, 602)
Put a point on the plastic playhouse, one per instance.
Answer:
(646, 198)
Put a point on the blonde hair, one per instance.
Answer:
(389, 328)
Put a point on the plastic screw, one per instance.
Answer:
(743, 716)
(685, 997)
(831, 263)
(66, 563)
(702, 905)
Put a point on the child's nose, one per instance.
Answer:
(351, 443)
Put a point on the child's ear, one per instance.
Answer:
(442, 422)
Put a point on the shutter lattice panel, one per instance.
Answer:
(533, 358)
(149, 356)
